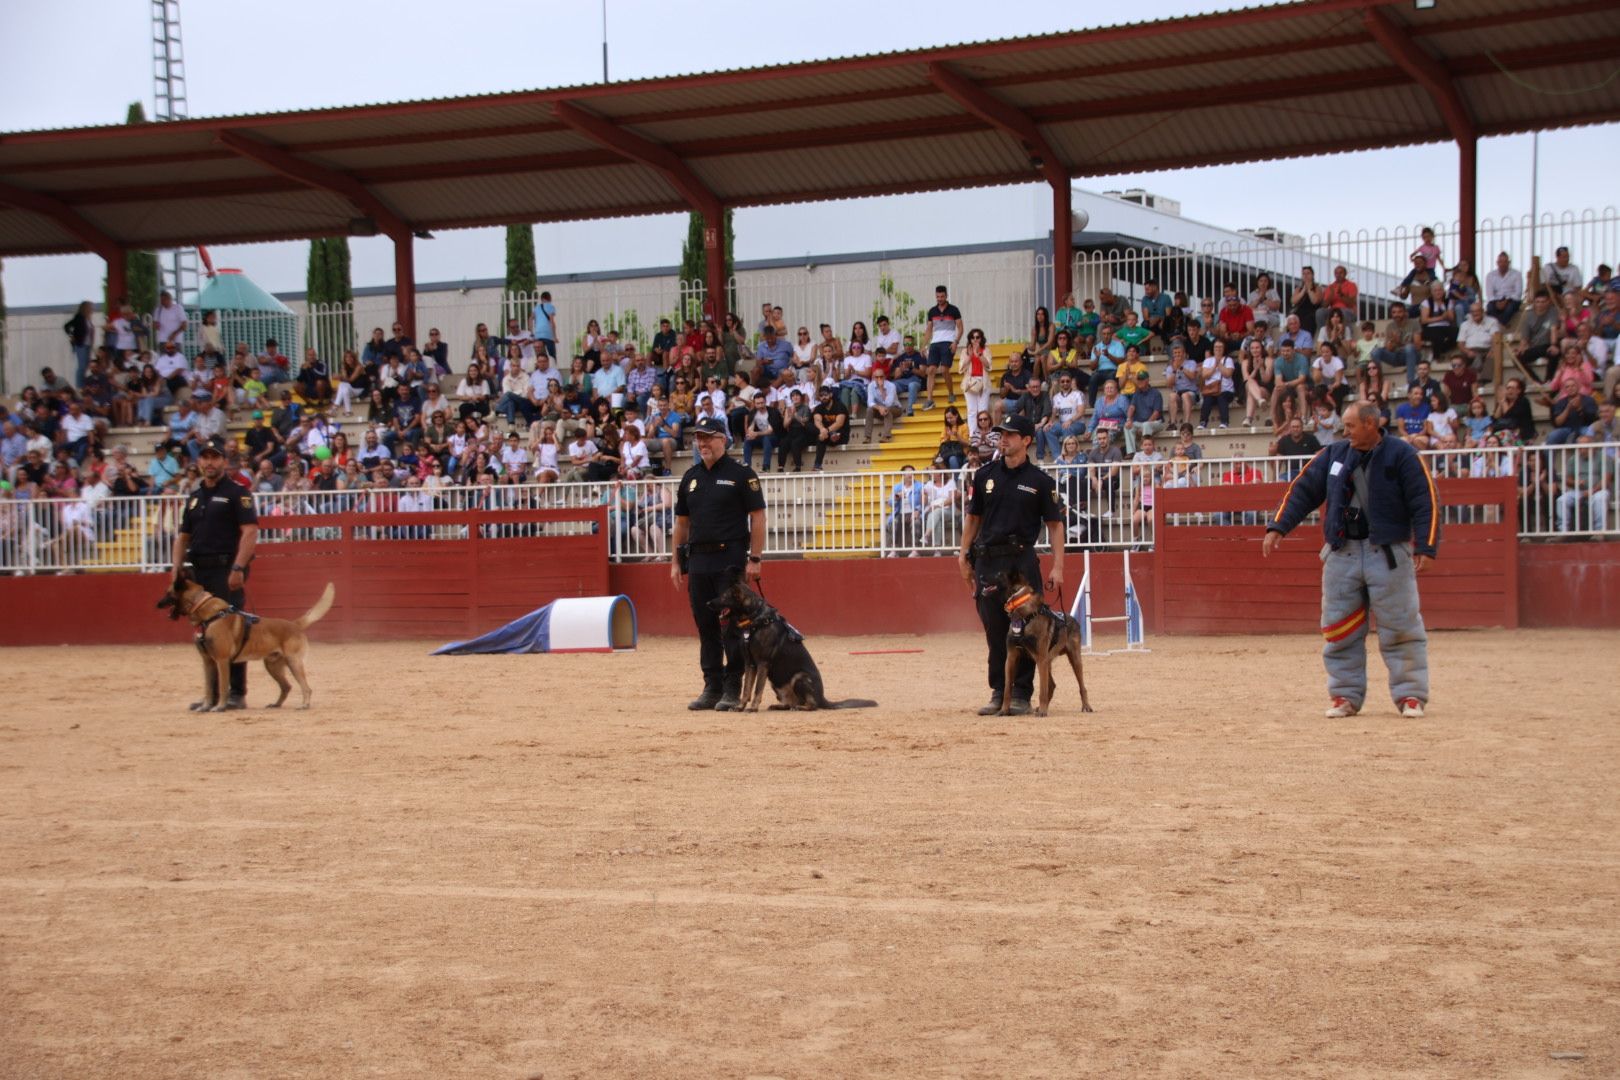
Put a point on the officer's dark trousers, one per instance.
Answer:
(216, 580)
(991, 602)
(721, 658)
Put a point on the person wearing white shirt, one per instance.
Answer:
(170, 363)
(514, 395)
(941, 511)
(886, 339)
(882, 404)
(1504, 291)
(514, 458)
(1329, 369)
(1068, 415)
(78, 431)
(1476, 335)
(634, 460)
(169, 320)
(856, 370)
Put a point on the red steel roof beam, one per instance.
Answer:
(1425, 70)
(63, 216)
(320, 177)
(1002, 116)
(653, 155)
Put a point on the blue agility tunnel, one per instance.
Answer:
(575, 624)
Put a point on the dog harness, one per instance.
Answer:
(247, 628)
(770, 615)
(1015, 628)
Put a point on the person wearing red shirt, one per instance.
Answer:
(1340, 293)
(1235, 318)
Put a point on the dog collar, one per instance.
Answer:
(1017, 599)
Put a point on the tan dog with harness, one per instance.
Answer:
(1043, 633)
(226, 636)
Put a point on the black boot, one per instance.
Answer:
(1019, 707)
(730, 701)
(994, 706)
(705, 701)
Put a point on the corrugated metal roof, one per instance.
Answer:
(1236, 85)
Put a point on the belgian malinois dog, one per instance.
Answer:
(1041, 632)
(226, 637)
(773, 651)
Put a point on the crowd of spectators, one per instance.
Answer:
(1105, 382)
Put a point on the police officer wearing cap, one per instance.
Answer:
(1009, 501)
(719, 531)
(218, 531)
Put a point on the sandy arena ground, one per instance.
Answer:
(522, 866)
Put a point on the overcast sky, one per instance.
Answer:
(86, 60)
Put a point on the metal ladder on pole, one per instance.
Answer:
(178, 268)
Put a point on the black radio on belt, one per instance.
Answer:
(1355, 524)
(1000, 547)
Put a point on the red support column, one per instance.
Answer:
(715, 290)
(405, 282)
(1467, 198)
(1062, 242)
(117, 276)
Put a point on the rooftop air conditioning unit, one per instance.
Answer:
(1141, 197)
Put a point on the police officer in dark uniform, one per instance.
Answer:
(719, 530)
(218, 530)
(1011, 497)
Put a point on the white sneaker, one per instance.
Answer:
(1341, 707)
(1411, 708)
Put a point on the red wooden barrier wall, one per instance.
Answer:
(1212, 579)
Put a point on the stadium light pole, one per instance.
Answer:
(604, 41)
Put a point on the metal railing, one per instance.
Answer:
(1376, 259)
(1564, 491)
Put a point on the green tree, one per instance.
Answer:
(694, 263)
(522, 277)
(140, 267)
(899, 305)
(329, 296)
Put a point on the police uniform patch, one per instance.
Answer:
(989, 486)
(246, 501)
(753, 482)
(692, 484)
(1054, 495)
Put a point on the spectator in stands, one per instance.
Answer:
(1259, 378)
(1130, 370)
(1106, 356)
(1214, 378)
(1144, 416)
(954, 440)
(854, 376)
(1573, 412)
(1475, 337)
(1041, 337)
(1293, 384)
(473, 393)
(1402, 336)
(1337, 335)
(1462, 289)
(1512, 416)
(975, 370)
(1561, 276)
(1438, 320)
(1327, 374)
(170, 364)
(1236, 319)
(1416, 284)
(1015, 381)
(1540, 338)
(274, 367)
(1111, 411)
(773, 354)
(1576, 314)
(163, 471)
(1111, 309)
(796, 427)
(1181, 377)
(1475, 422)
(313, 379)
(759, 429)
(904, 513)
(1265, 302)
(514, 398)
(985, 439)
(1295, 441)
(882, 408)
(831, 420)
(1587, 479)
(13, 448)
(1065, 356)
(1304, 343)
(168, 320)
(1133, 333)
(942, 510)
(1603, 282)
(1440, 426)
(1306, 299)
(1413, 416)
(151, 394)
(1339, 295)
(1103, 477)
(1066, 418)
(1460, 383)
(208, 424)
(906, 372)
(1504, 291)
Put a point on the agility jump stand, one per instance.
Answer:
(1082, 613)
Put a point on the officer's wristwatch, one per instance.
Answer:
(753, 558)
(238, 569)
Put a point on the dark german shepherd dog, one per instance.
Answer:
(1042, 633)
(773, 650)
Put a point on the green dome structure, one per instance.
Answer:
(246, 312)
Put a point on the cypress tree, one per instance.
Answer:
(522, 276)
